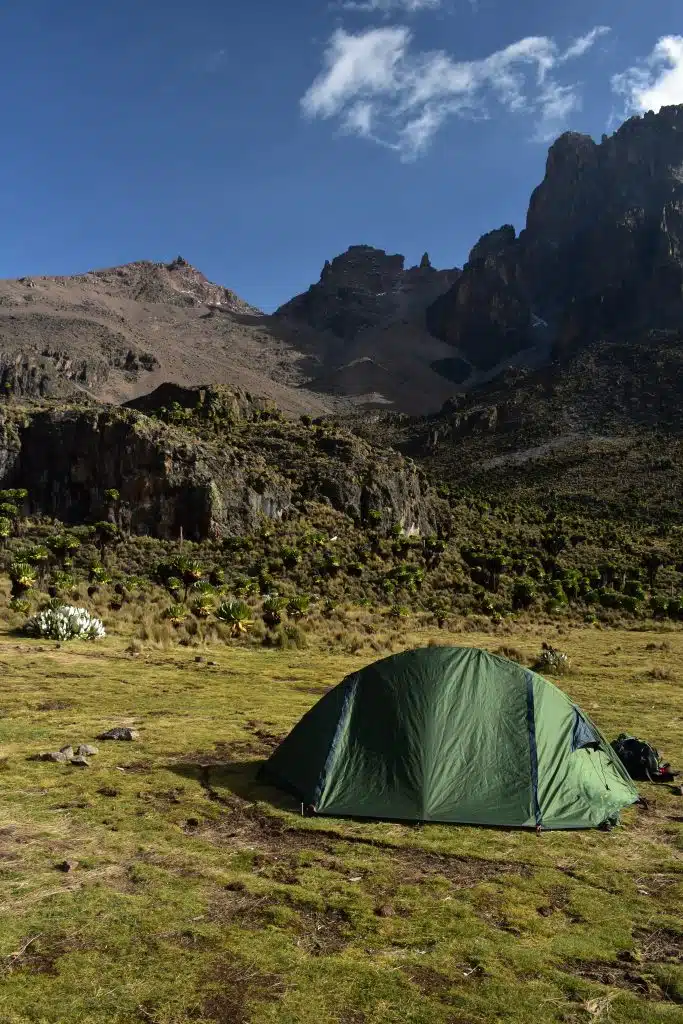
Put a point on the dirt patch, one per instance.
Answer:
(162, 799)
(228, 752)
(430, 981)
(266, 738)
(558, 903)
(237, 983)
(615, 974)
(228, 990)
(659, 885)
(319, 931)
(437, 985)
(40, 954)
(56, 705)
(662, 946)
(247, 825)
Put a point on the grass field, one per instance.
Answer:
(194, 895)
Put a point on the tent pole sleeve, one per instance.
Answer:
(533, 751)
(341, 722)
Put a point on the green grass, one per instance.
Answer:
(199, 896)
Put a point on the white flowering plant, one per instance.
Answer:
(65, 622)
(553, 661)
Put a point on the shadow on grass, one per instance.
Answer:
(229, 780)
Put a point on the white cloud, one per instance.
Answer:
(387, 6)
(555, 104)
(356, 66)
(380, 89)
(583, 44)
(655, 82)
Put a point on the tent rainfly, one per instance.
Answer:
(452, 734)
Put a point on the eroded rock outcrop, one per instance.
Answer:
(212, 476)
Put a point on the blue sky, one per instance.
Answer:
(257, 139)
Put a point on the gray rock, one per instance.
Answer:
(119, 732)
(79, 762)
(68, 751)
(55, 755)
(85, 750)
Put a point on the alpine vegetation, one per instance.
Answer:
(65, 622)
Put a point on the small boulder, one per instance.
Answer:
(54, 755)
(85, 750)
(79, 762)
(67, 865)
(119, 732)
(677, 790)
(68, 751)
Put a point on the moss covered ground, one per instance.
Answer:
(196, 895)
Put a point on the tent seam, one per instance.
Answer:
(533, 749)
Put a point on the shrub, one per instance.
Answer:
(23, 577)
(217, 577)
(174, 585)
(298, 606)
(290, 557)
(63, 580)
(201, 588)
(398, 611)
(65, 622)
(175, 614)
(244, 586)
(272, 608)
(553, 661)
(98, 574)
(523, 592)
(634, 588)
(659, 606)
(236, 614)
(63, 545)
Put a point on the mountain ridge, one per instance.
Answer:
(600, 259)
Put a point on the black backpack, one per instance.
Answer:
(639, 758)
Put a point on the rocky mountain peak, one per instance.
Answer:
(601, 251)
(175, 283)
(363, 267)
(493, 243)
(365, 287)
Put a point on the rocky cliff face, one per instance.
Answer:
(601, 253)
(365, 288)
(209, 475)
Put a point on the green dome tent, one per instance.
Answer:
(452, 734)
